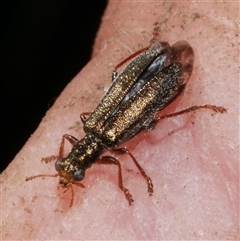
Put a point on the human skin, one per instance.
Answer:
(192, 159)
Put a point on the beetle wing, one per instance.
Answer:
(120, 89)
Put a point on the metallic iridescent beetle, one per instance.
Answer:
(150, 82)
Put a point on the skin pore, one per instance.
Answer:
(192, 159)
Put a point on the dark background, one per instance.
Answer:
(43, 45)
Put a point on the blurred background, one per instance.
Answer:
(43, 45)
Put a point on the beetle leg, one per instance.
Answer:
(73, 140)
(112, 160)
(193, 108)
(84, 116)
(148, 179)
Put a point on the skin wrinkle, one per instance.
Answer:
(190, 168)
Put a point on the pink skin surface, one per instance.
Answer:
(192, 159)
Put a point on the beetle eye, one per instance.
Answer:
(78, 175)
(58, 164)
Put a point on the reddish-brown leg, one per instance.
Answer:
(215, 108)
(70, 138)
(148, 179)
(130, 57)
(84, 116)
(114, 74)
(112, 160)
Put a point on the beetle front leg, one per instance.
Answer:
(124, 150)
(73, 140)
(112, 160)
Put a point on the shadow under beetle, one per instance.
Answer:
(150, 82)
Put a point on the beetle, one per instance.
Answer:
(154, 78)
